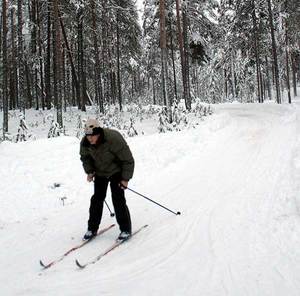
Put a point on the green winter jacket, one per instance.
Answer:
(111, 155)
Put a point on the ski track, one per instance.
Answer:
(238, 234)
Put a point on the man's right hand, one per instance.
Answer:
(90, 177)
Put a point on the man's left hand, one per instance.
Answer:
(123, 184)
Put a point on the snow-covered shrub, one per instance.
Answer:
(179, 118)
(136, 111)
(197, 108)
(163, 118)
(79, 126)
(132, 131)
(207, 110)
(9, 137)
(201, 109)
(22, 130)
(55, 130)
(112, 118)
(47, 117)
(23, 133)
(151, 110)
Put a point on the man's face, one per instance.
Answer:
(93, 139)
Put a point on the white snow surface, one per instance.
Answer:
(235, 178)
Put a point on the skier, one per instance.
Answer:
(106, 158)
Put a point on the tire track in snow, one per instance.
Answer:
(248, 205)
(225, 267)
(192, 225)
(165, 254)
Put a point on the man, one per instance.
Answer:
(106, 158)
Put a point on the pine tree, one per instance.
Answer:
(5, 68)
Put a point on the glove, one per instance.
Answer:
(123, 184)
(90, 177)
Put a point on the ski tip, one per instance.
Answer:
(79, 265)
(43, 265)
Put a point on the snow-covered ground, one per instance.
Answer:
(235, 178)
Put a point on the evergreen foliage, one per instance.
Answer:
(58, 54)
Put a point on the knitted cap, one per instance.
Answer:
(92, 127)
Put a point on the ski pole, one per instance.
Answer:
(178, 213)
(111, 213)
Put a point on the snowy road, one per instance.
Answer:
(235, 179)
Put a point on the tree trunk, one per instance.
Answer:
(33, 73)
(14, 66)
(274, 51)
(111, 77)
(28, 85)
(185, 22)
(234, 92)
(268, 79)
(57, 63)
(98, 80)
(153, 90)
(5, 68)
(287, 60)
(81, 59)
(73, 70)
(48, 60)
(182, 57)
(21, 77)
(118, 66)
(256, 47)
(225, 84)
(0, 36)
(105, 58)
(294, 74)
(40, 50)
(163, 47)
(69, 93)
(64, 80)
(173, 64)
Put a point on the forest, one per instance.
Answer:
(56, 54)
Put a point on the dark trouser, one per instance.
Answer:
(118, 199)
